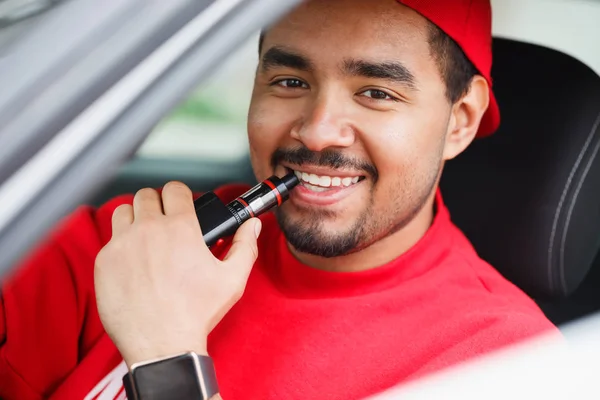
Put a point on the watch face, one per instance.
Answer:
(177, 378)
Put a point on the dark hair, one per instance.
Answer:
(261, 39)
(456, 69)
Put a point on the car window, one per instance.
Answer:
(97, 99)
(211, 123)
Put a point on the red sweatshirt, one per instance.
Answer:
(297, 333)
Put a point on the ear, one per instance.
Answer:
(466, 117)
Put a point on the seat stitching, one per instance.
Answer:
(561, 202)
(572, 206)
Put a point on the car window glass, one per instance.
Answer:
(211, 123)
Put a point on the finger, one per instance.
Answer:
(244, 250)
(177, 199)
(122, 218)
(147, 204)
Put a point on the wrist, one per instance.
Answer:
(145, 353)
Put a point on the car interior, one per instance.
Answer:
(527, 197)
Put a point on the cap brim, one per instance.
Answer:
(491, 119)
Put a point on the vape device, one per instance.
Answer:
(219, 220)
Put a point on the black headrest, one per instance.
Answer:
(528, 197)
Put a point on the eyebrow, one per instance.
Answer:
(280, 57)
(390, 71)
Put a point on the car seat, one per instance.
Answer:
(528, 197)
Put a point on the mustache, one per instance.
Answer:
(329, 158)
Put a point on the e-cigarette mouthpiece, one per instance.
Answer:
(218, 220)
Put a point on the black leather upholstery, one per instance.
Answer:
(528, 197)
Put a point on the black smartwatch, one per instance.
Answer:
(187, 376)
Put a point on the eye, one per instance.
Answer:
(291, 83)
(376, 94)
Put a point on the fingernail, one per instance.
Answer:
(257, 227)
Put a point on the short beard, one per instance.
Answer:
(310, 239)
(307, 239)
(307, 236)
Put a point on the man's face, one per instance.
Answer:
(348, 95)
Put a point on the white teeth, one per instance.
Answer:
(325, 181)
(313, 181)
(315, 188)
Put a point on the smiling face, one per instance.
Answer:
(348, 95)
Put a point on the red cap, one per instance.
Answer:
(469, 23)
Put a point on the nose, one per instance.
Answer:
(324, 124)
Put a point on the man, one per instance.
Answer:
(358, 283)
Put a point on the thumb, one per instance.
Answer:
(244, 250)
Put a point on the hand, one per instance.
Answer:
(159, 289)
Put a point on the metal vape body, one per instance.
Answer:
(219, 220)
